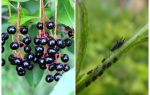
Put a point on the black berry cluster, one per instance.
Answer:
(47, 52)
(4, 38)
(22, 63)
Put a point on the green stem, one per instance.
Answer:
(40, 9)
(87, 78)
(9, 9)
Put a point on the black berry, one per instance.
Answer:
(60, 43)
(59, 67)
(39, 49)
(27, 48)
(51, 42)
(66, 67)
(11, 30)
(27, 40)
(39, 25)
(68, 42)
(24, 30)
(14, 45)
(57, 76)
(49, 78)
(50, 25)
(64, 58)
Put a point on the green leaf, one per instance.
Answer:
(81, 34)
(23, 20)
(5, 2)
(72, 3)
(66, 84)
(65, 13)
(19, 0)
(33, 77)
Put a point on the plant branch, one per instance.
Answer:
(87, 78)
(56, 4)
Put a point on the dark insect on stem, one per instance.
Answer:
(100, 73)
(118, 44)
(88, 83)
(103, 60)
(94, 78)
(115, 60)
(89, 72)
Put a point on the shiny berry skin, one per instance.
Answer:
(36, 60)
(39, 49)
(24, 30)
(42, 61)
(43, 41)
(30, 67)
(26, 63)
(52, 67)
(57, 76)
(27, 40)
(50, 25)
(17, 61)
(49, 78)
(64, 58)
(27, 48)
(5, 36)
(11, 30)
(14, 45)
(3, 62)
(19, 68)
(60, 43)
(68, 42)
(38, 55)
(59, 67)
(49, 60)
(11, 59)
(51, 51)
(30, 56)
(3, 49)
(51, 42)
(21, 73)
(37, 41)
(66, 67)
(42, 66)
(70, 33)
(39, 25)
(21, 44)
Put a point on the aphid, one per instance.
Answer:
(115, 60)
(100, 73)
(87, 83)
(89, 72)
(94, 78)
(103, 60)
(118, 44)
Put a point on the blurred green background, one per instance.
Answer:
(12, 84)
(109, 20)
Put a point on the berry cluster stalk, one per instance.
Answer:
(87, 78)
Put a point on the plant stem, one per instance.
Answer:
(87, 78)
(9, 9)
(56, 4)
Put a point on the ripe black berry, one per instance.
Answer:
(50, 25)
(3, 49)
(30, 56)
(66, 67)
(60, 43)
(68, 42)
(24, 30)
(49, 78)
(59, 67)
(51, 42)
(37, 41)
(52, 67)
(36, 60)
(43, 41)
(27, 48)
(21, 44)
(57, 76)
(19, 68)
(70, 33)
(39, 25)
(3, 62)
(5, 36)
(30, 67)
(26, 63)
(21, 73)
(64, 58)
(11, 59)
(42, 66)
(14, 45)
(17, 61)
(38, 55)
(51, 51)
(39, 49)
(11, 30)
(42, 61)
(49, 60)
(27, 40)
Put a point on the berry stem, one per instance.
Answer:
(87, 78)
(55, 29)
